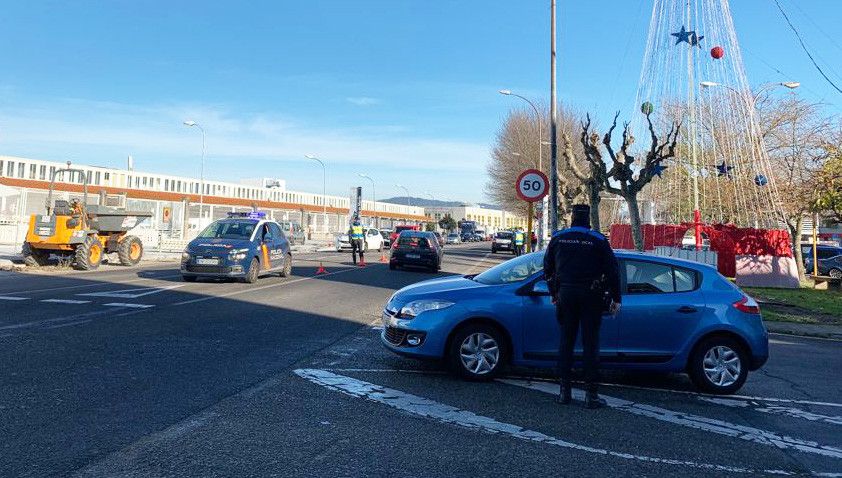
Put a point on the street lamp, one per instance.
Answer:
(541, 142)
(408, 201)
(373, 198)
(430, 195)
(324, 188)
(190, 123)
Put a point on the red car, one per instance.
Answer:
(404, 227)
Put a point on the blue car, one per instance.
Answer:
(243, 246)
(676, 316)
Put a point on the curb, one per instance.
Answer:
(805, 330)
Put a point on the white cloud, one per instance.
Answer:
(362, 100)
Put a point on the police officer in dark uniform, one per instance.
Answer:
(583, 276)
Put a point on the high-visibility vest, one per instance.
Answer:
(357, 232)
(518, 238)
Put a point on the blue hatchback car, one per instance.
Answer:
(243, 246)
(676, 316)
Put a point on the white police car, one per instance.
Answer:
(243, 246)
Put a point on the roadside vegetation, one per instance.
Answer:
(804, 305)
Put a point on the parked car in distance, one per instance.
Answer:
(832, 266)
(294, 232)
(401, 228)
(677, 316)
(416, 248)
(823, 251)
(439, 238)
(477, 237)
(502, 241)
(373, 240)
(453, 238)
(387, 237)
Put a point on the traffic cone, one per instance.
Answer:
(383, 258)
(321, 269)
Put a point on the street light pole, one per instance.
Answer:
(324, 189)
(553, 120)
(373, 199)
(191, 123)
(540, 162)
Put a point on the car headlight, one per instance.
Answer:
(237, 254)
(185, 255)
(412, 309)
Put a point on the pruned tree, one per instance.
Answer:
(447, 223)
(619, 175)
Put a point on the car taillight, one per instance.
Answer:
(747, 305)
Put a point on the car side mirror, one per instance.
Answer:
(541, 288)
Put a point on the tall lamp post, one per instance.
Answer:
(408, 200)
(541, 143)
(373, 199)
(191, 124)
(324, 189)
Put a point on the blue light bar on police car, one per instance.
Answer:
(249, 215)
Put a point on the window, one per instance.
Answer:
(52, 172)
(96, 178)
(42, 172)
(1, 167)
(10, 169)
(32, 171)
(653, 278)
(107, 176)
(166, 185)
(21, 170)
(276, 231)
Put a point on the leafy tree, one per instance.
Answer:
(430, 226)
(447, 223)
(829, 187)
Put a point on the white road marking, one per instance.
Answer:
(131, 293)
(13, 298)
(711, 425)
(65, 301)
(738, 397)
(443, 413)
(773, 409)
(127, 304)
(84, 286)
(57, 320)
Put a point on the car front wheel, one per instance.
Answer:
(835, 273)
(718, 365)
(478, 352)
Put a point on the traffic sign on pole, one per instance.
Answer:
(532, 185)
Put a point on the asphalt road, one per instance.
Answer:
(132, 372)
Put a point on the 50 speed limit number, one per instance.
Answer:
(532, 185)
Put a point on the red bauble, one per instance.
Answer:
(717, 52)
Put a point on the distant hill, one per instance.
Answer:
(427, 202)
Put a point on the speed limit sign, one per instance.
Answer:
(531, 185)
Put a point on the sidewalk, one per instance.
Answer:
(805, 330)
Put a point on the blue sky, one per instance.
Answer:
(405, 91)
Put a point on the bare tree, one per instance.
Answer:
(620, 178)
(517, 148)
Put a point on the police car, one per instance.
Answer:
(244, 246)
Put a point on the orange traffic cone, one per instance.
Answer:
(383, 258)
(321, 269)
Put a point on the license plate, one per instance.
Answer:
(413, 256)
(207, 262)
(44, 231)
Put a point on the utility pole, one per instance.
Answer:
(553, 119)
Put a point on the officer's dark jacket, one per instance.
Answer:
(577, 257)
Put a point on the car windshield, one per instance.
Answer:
(229, 230)
(504, 235)
(404, 228)
(514, 270)
(452, 236)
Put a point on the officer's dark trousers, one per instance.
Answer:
(357, 248)
(579, 308)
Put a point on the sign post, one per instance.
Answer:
(531, 186)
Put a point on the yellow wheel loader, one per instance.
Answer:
(81, 232)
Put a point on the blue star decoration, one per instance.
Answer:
(724, 170)
(691, 37)
(658, 169)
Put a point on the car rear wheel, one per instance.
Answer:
(287, 270)
(88, 255)
(718, 365)
(34, 257)
(130, 250)
(478, 352)
(835, 273)
(253, 272)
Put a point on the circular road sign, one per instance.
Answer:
(532, 185)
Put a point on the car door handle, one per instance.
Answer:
(686, 309)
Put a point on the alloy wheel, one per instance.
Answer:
(722, 366)
(479, 353)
